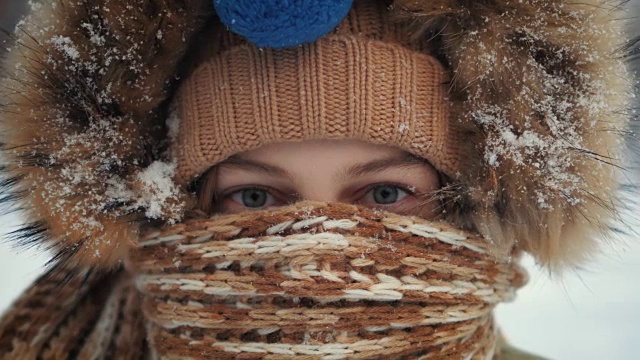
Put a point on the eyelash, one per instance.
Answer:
(360, 193)
(408, 189)
(234, 190)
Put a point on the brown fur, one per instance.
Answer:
(60, 117)
(503, 53)
(112, 114)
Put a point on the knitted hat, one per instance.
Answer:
(365, 80)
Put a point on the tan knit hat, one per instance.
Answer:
(363, 81)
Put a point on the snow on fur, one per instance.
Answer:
(82, 121)
(160, 197)
(540, 94)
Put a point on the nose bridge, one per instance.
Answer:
(321, 197)
(318, 185)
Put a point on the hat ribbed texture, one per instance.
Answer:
(361, 82)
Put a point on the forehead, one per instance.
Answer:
(316, 152)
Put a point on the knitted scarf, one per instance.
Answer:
(307, 281)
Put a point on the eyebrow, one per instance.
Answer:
(403, 161)
(250, 165)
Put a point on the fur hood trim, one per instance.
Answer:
(539, 94)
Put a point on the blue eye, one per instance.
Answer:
(252, 198)
(387, 194)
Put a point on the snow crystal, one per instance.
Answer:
(158, 189)
(95, 37)
(66, 46)
(34, 5)
(173, 124)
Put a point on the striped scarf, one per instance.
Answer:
(307, 281)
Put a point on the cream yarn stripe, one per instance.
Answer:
(320, 281)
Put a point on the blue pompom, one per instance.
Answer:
(282, 23)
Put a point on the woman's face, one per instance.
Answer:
(347, 171)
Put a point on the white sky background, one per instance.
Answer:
(590, 314)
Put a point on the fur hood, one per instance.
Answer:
(539, 93)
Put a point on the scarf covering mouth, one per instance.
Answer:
(320, 281)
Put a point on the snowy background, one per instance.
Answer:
(590, 314)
